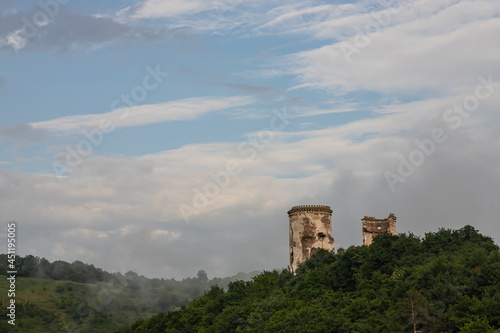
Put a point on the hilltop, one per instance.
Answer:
(447, 281)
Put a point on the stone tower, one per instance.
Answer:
(373, 227)
(310, 230)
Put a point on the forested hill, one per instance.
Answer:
(77, 297)
(447, 281)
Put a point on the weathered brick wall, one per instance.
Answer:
(310, 229)
(373, 227)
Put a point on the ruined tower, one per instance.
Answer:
(310, 229)
(373, 227)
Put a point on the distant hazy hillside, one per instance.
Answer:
(449, 281)
(76, 297)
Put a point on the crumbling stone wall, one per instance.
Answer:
(310, 230)
(373, 227)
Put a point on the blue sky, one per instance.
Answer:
(370, 107)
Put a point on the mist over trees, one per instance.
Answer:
(77, 271)
(52, 296)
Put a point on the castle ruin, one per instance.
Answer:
(311, 229)
(372, 227)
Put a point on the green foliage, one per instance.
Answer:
(446, 282)
(59, 289)
(57, 297)
(30, 266)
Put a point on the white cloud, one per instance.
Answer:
(16, 40)
(304, 17)
(443, 49)
(165, 234)
(220, 16)
(185, 109)
(311, 111)
(201, 16)
(168, 8)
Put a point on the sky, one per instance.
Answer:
(170, 136)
